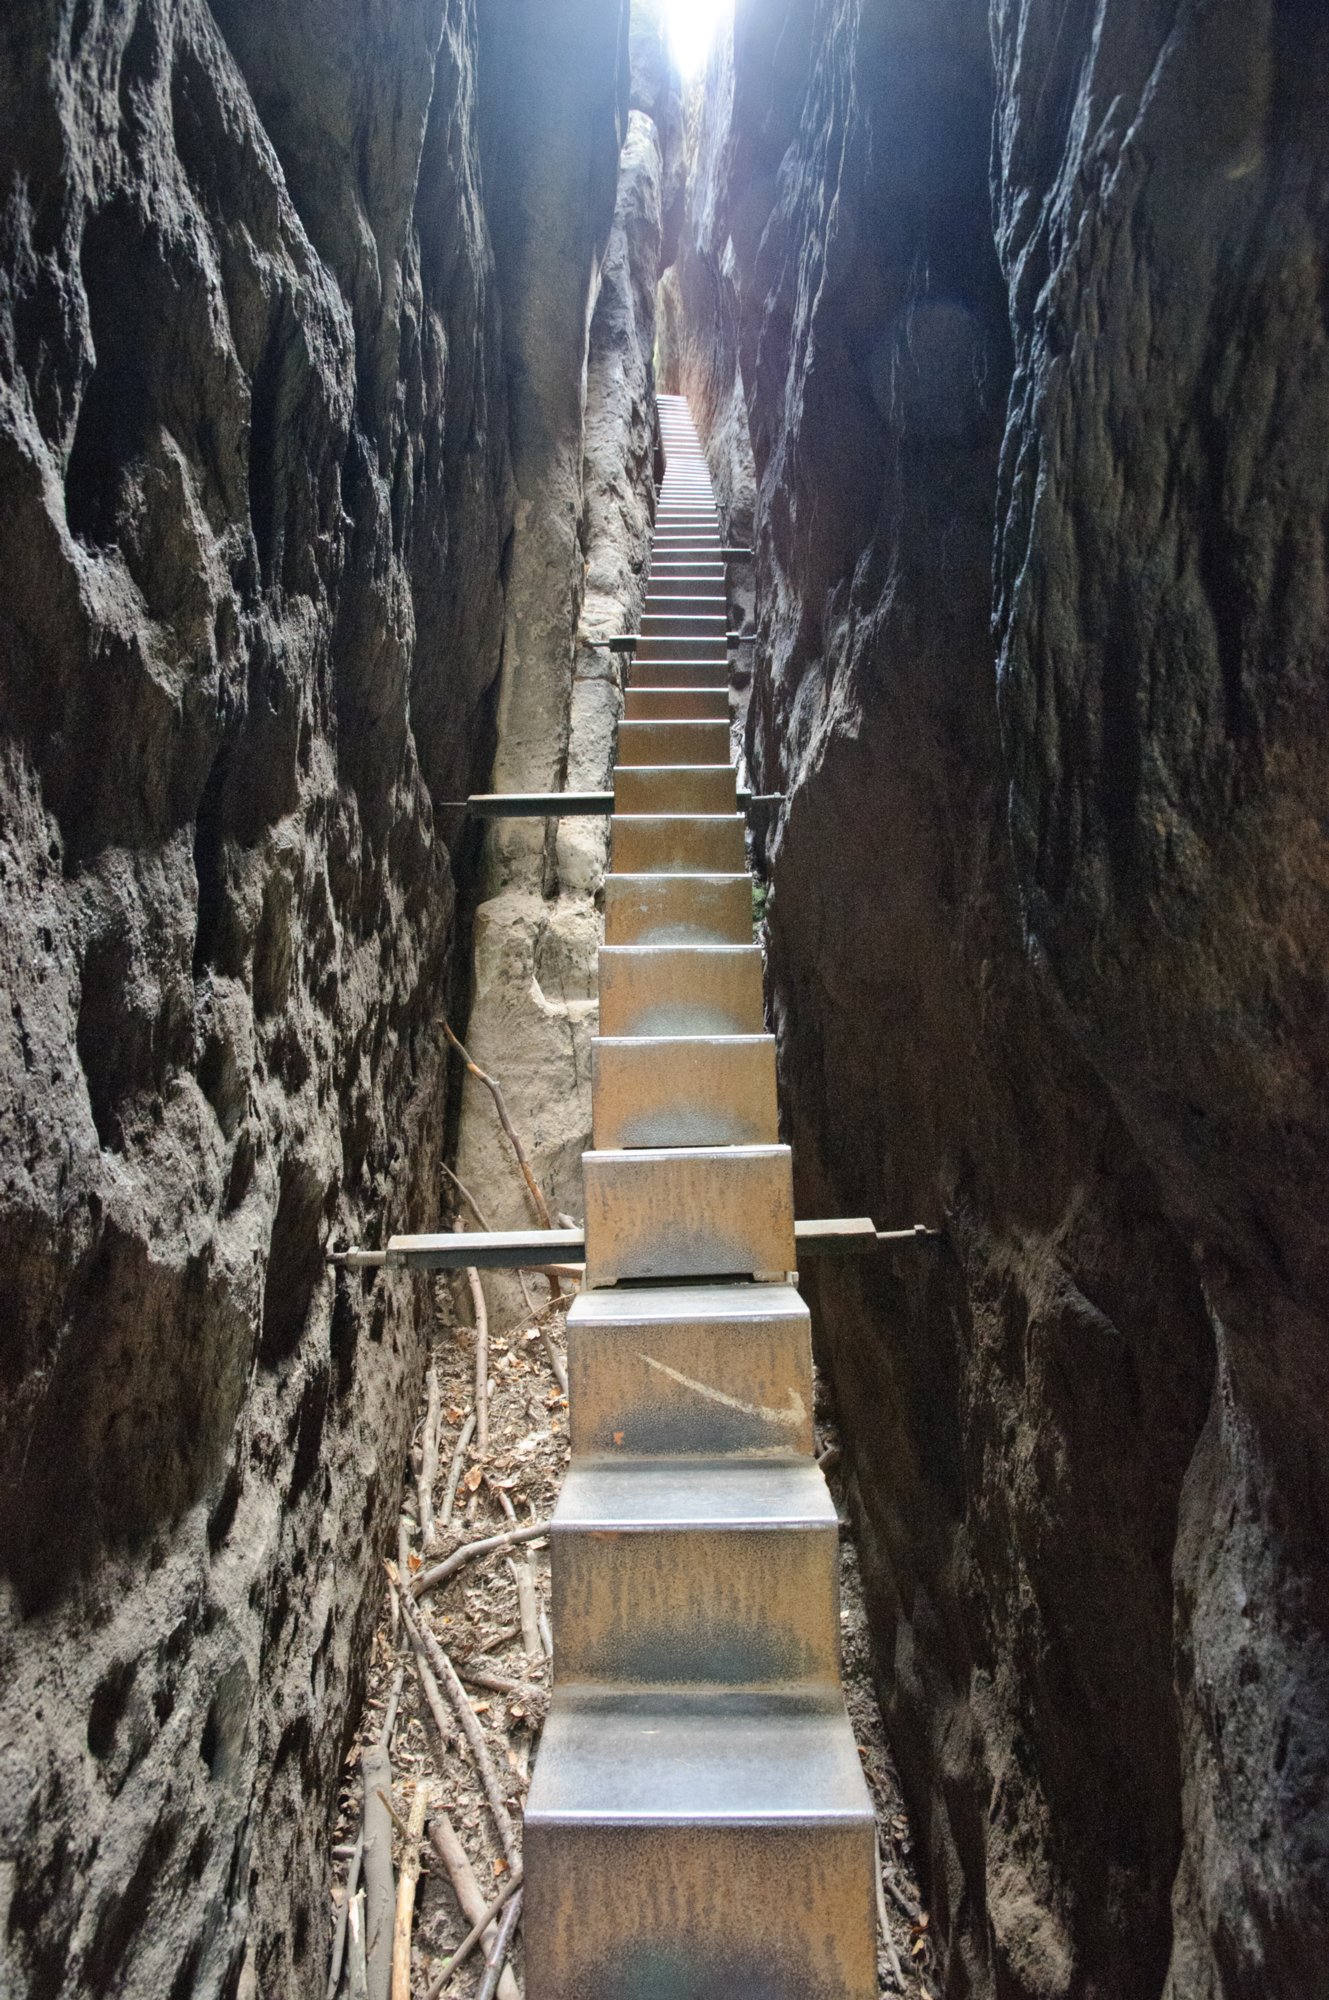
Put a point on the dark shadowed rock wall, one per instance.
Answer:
(257, 411)
(1048, 919)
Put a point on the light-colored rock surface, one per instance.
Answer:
(533, 1011)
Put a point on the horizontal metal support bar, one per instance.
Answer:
(537, 1249)
(568, 805)
(627, 642)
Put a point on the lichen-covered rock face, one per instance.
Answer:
(255, 498)
(1047, 919)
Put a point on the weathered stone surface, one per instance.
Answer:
(254, 502)
(1053, 977)
(1162, 218)
(579, 558)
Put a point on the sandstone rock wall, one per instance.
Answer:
(578, 572)
(1047, 918)
(256, 518)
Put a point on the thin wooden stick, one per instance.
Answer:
(429, 1579)
(553, 1357)
(427, 1682)
(551, 1271)
(380, 1888)
(473, 1936)
(470, 1724)
(529, 1608)
(424, 1486)
(444, 1520)
(389, 1723)
(391, 1707)
(491, 1084)
(357, 1966)
(410, 1875)
(483, 1222)
(498, 1951)
(884, 1926)
(481, 1361)
(343, 1917)
(470, 1896)
(481, 1677)
(899, 1898)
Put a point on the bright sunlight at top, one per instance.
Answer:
(692, 25)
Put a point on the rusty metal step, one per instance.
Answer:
(698, 1846)
(709, 646)
(677, 844)
(675, 788)
(676, 673)
(682, 624)
(688, 588)
(711, 1369)
(683, 1090)
(678, 909)
(681, 989)
(693, 742)
(689, 1212)
(719, 1571)
(659, 704)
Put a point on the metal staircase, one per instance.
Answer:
(698, 1827)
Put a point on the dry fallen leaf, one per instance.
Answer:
(471, 1479)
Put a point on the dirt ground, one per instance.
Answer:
(476, 1617)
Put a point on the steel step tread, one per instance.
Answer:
(736, 1495)
(695, 1757)
(655, 1305)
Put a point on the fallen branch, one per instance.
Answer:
(343, 1917)
(357, 1968)
(528, 1607)
(451, 1685)
(470, 1896)
(444, 1520)
(429, 1687)
(481, 1361)
(429, 1459)
(899, 1898)
(481, 1677)
(491, 1084)
(498, 1951)
(429, 1579)
(380, 1888)
(357, 1854)
(884, 1925)
(551, 1271)
(554, 1358)
(410, 1875)
(473, 1936)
